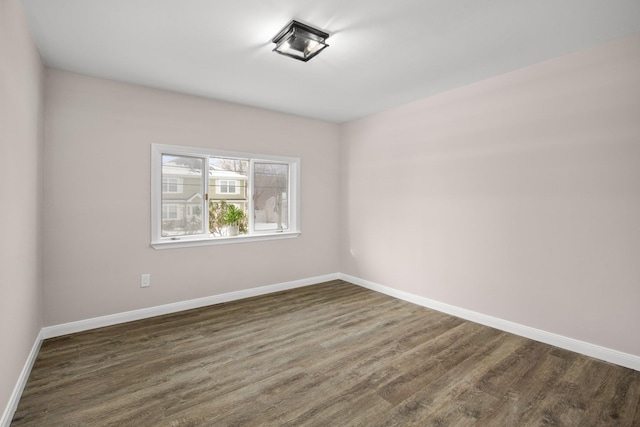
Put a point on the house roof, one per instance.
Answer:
(176, 170)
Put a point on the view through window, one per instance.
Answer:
(204, 195)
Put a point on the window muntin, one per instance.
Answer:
(171, 185)
(169, 212)
(228, 186)
(193, 190)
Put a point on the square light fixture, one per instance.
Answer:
(300, 41)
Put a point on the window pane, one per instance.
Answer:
(203, 196)
(228, 193)
(271, 196)
(182, 195)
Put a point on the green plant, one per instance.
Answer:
(217, 211)
(233, 215)
(217, 218)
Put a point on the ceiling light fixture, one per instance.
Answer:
(300, 41)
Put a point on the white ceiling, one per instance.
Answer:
(382, 53)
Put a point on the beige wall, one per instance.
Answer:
(520, 196)
(524, 196)
(20, 193)
(97, 197)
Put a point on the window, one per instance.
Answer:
(169, 212)
(202, 197)
(171, 185)
(193, 210)
(270, 194)
(228, 186)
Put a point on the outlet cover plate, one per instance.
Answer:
(145, 280)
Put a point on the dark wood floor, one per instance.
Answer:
(332, 354)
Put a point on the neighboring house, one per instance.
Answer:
(182, 195)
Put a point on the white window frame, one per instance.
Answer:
(172, 181)
(227, 184)
(160, 242)
(190, 208)
(171, 205)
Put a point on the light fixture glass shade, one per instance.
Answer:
(300, 41)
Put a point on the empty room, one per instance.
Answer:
(349, 213)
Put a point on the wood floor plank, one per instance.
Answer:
(329, 354)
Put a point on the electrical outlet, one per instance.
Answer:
(145, 280)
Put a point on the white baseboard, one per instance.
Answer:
(113, 319)
(12, 405)
(582, 347)
(129, 316)
(588, 349)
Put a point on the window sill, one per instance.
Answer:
(188, 243)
